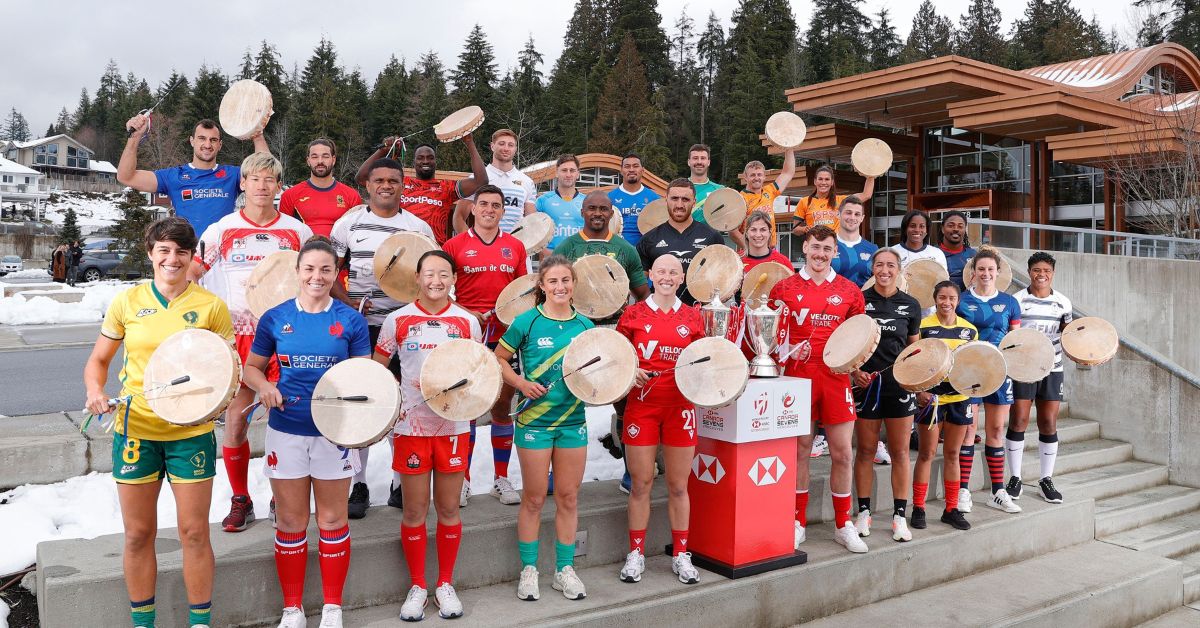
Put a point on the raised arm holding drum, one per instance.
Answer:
(761, 195)
(520, 194)
(680, 235)
(821, 207)
(320, 200)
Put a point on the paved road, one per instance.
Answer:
(47, 380)
(22, 337)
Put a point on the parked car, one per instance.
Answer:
(97, 265)
(11, 264)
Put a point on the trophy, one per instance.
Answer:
(716, 316)
(762, 328)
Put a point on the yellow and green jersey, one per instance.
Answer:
(960, 333)
(540, 341)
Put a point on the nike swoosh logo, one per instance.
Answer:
(360, 240)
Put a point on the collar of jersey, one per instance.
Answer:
(475, 234)
(653, 305)
(587, 239)
(848, 243)
(641, 188)
(162, 299)
(768, 254)
(555, 191)
(905, 247)
(542, 311)
(417, 304)
(274, 220)
(321, 189)
(328, 306)
(829, 277)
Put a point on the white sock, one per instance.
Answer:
(1014, 452)
(396, 478)
(1049, 453)
(361, 476)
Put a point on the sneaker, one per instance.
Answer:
(1013, 487)
(900, 530)
(360, 499)
(681, 564)
(881, 454)
(449, 606)
(956, 519)
(862, 522)
(527, 587)
(293, 618)
(626, 483)
(799, 535)
(331, 616)
(635, 564)
(395, 497)
(917, 519)
(271, 513)
(504, 491)
(1001, 501)
(847, 537)
(413, 608)
(241, 513)
(464, 494)
(819, 447)
(568, 582)
(1049, 493)
(964, 500)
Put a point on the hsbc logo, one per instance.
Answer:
(707, 468)
(766, 471)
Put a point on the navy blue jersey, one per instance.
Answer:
(307, 345)
(956, 262)
(201, 197)
(899, 316)
(854, 261)
(993, 317)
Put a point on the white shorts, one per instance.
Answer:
(291, 457)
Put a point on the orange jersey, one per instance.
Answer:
(763, 200)
(816, 211)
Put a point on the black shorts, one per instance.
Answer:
(1049, 388)
(957, 413)
(889, 402)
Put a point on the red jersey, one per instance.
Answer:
(431, 200)
(749, 261)
(318, 207)
(484, 269)
(659, 336)
(811, 312)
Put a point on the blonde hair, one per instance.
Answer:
(754, 165)
(258, 162)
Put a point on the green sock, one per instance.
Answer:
(528, 552)
(564, 554)
(198, 614)
(142, 613)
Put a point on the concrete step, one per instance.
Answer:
(1118, 587)
(1069, 431)
(1191, 577)
(1139, 508)
(1170, 537)
(1107, 481)
(1183, 617)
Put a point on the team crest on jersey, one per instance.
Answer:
(239, 243)
(965, 334)
(414, 462)
(336, 329)
(191, 317)
(414, 330)
(683, 331)
(272, 460)
(220, 174)
(506, 252)
(902, 310)
(999, 307)
(287, 328)
(834, 299)
(341, 201)
(633, 430)
(864, 256)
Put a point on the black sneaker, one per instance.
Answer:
(1049, 493)
(1014, 487)
(955, 519)
(917, 518)
(360, 498)
(396, 498)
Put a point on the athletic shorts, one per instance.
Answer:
(513, 361)
(1049, 388)
(832, 399)
(291, 457)
(956, 413)
(529, 437)
(647, 424)
(243, 344)
(417, 455)
(886, 400)
(141, 461)
(1002, 397)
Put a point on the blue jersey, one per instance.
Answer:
(854, 262)
(566, 214)
(993, 317)
(201, 197)
(307, 346)
(630, 206)
(956, 262)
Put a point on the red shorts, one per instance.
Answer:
(243, 344)
(832, 399)
(649, 424)
(417, 455)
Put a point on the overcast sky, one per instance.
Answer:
(53, 48)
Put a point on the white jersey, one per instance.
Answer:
(232, 247)
(517, 188)
(908, 256)
(410, 333)
(362, 231)
(1048, 315)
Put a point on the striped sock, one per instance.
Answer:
(966, 460)
(528, 551)
(412, 539)
(335, 563)
(564, 555)
(995, 464)
(919, 493)
(142, 613)
(802, 507)
(502, 438)
(448, 540)
(841, 509)
(1048, 453)
(1014, 452)
(951, 494)
(291, 559)
(199, 614)
(470, 453)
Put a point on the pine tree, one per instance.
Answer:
(978, 35)
(51, 130)
(578, 76)
(319, 107)
(16, 128)
(1152, 29)
(475, 75)
(70, 230)
(932, 35)
(522, 109)
(389, 101)
(641, 20)
(130, 229)
(883, 43)
(204, 100)
(83, 111)
(711, 56)
(247, 66)
(173, 93)
(1053, 31)
(63, 123)
(623, 105)
(432, 102)
(1184, 28)
(835, 40)
(682, 95)
(268, 70)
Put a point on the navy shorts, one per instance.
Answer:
(1049, 388)
(1002, 397)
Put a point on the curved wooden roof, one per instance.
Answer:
(1109, 77)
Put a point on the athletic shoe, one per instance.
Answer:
(241, 513)
(504, 491)
(964, 500)
(635, 564)
(800, 536)
(917, 519)
(395, 496)
(1049, 493)
(271, 513)
(819, 447)
(360, 499)
(464, 494)
(413, 608)
(331, 616)
(881, 454)
(1013, 487)
(293, 618)
(1001, 501)
(449, 606)
(681, 564)
(955, 519)
(626, 483)
(900, 530)
(568, 582)
(527, 587)
(862, 522)
(847, 537)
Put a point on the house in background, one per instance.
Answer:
(21, 189)
(66, 164)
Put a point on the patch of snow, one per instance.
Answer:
(39, 310)
(3, 614)
(29, 273)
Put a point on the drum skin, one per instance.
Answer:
(356, 424)
(605, 381)
(757, 283)
(402, 251)
(920, 276)
(601, 286)
(785, 129)
(979, 369)
(716, 382)
(518, 297)
(1090, 341)
(1028, 353)
(245, 109)
(922, 365)
(272, 282)
(653, 215)
(535, 231)
(852, 343)
(871, 157)
(453, 361)
(715, 268)
(214, 374)
(459, 124)
(725, 209)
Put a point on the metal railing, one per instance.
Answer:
(1083, 240)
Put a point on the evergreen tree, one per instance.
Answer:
(711, 56)
(70, 230)
(247, 66)
(475, 75)
(268, 70)
(641, 20)
(64, 123)
(1184, 23)
(1053, 31)
(932, 35)
(522, 110)
(320, 109)
(16, 128)
(51, 130)
(978, 34)
(432, 102)
(1153, 27)
(389, 101)
(130, 229)
(625, 107)
(204, 99)
(883, 42)
(835, 40)
(682, 97)
(578, 76)
(83, 111)
(173, 93)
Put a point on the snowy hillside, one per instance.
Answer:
(91, 210)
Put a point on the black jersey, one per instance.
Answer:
(664, 239)
(899, 316)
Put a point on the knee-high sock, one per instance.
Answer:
(364, 454)
(291, 559)
(919, 492)
(412, 540)
(448, 539)
(966, 460)
(1014, 452)
(502, 439)
(951, 487)
(237, 465)
(1048, 453)
(335, 563)
(841, 509)
(995, 464)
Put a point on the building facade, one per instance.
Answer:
(65, 163)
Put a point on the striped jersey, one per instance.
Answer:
(540, 342)
(1049, 315)
(361, 232)
(517, 188)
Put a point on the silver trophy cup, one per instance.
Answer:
(762, 328)
(716, 317)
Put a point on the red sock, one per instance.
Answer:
(919, 493)
(637, 541)
(291, 557)
(237, 465)
(448, 538)
(802, 507)
(951, 494)
(966, 460)
(841, 510)
(412, 540)
(502, 439)
(678, 542)
(335, 563)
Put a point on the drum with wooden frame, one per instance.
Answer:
(535, 231)
(725, 209)
(1004, 275)
(716, 268)
(852, 343)
(213, 371)
(601, 286)
(1028, 353)
(245, 109)
(785, 129)
(601, 381)
(459, 124)
(616, 226)
(1090, 341)
(979, 369)
(273, 281)
(518, 297)
(920, 276)
(922, 365)
(652, 215)
(356, 423)
(451, 362)
(711, 372)
(395, 264)
(759, 281)
(871, 157)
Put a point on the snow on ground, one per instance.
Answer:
(3, 615)
(89, 212)
(21, 310)
(30, 273)
(87, 506)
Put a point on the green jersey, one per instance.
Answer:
(541, 341)
(702, 192)
(616, 247)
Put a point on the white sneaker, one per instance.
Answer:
(504, 491)
(449, 606)
(681, 564)
(862, 522)
(1001, 501)
(881, 454)
(635, 564)
(569, 583)
(293, 618)
(527, 587)
(799, 535)
(414, 605)
(964, 500)
(819, 447)
(900, 531)
(331, 616)
(462, 496)
(847, 537)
